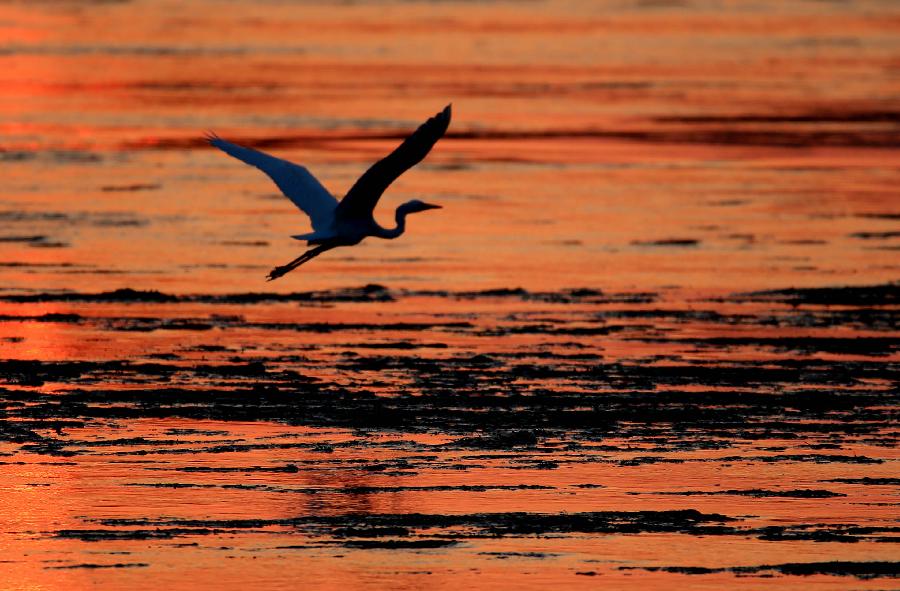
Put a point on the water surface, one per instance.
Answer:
(651, 339)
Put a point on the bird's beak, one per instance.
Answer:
(430, 206)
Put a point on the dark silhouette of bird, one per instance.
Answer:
(349, 221)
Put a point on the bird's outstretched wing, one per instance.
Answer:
(362, 197)
(297, 183)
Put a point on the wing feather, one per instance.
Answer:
(295, 181)
(363, 196)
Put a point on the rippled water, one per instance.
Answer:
(650, 341)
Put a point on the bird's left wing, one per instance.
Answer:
(297, 183)
(365, 193)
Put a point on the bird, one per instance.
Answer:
(348, 222)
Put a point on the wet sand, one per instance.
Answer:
(650, 341)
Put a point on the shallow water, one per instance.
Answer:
(651, 339)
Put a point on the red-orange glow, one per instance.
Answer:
(618, 176)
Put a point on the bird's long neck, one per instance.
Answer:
(400, 216)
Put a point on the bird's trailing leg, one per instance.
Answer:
(306, 256)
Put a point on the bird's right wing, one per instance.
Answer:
(297, 183)
(363, 196)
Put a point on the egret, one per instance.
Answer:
(349, 221)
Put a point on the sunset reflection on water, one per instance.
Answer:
(614, 357)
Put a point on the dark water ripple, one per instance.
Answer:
(527, 399)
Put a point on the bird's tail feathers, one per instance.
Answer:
(315, 237)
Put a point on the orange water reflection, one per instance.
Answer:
(684, 151)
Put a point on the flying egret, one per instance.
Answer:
(350, 221)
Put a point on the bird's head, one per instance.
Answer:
(416, 206)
